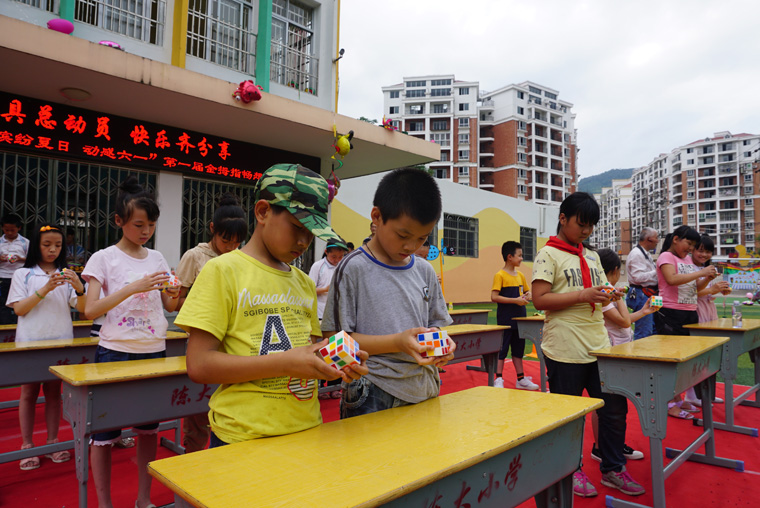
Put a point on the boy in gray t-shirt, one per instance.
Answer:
(384, 297)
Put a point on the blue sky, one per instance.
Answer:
(644, 76)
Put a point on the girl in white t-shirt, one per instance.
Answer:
(130, 277)
(42, 294)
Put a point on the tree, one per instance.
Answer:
(365, 119)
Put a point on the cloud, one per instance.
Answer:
(644, 77)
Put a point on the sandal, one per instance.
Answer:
(678, 413)
(689, 407)
(58, 457)
(29, 463)
(125, 442)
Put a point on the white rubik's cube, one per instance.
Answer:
(173, 282)
(341, 351)
(608, 288)
(655, 301)
(438, 340)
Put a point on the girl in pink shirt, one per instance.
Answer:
(679, 280)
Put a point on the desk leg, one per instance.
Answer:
(482, 367)
(754, 354)
(707, 438)
(556, 496)
(75, 409)
(491, 361)
(729, 374)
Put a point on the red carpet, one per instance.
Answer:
(692, 485)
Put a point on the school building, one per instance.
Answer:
(146, 88)
(475, 223)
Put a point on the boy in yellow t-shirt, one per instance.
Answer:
(511, 293)
(252, 317)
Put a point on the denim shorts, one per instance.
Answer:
(361, 397)
(104, 355)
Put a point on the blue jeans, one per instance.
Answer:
(636, 300)
(104, 355)
(361, 397)
(572, 379)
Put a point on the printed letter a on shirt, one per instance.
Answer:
(274, 339)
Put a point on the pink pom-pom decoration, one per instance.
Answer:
(749, 295)
(61, 25)
(111, 44)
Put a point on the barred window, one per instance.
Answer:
(139, 19)
(460, 235)
(528, 242)
(293, 62)
(221, 32)
(47, 5)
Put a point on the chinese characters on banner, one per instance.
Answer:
(57, 130)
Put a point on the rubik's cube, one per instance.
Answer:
(340, 351)
(438, 340)
(608, 288)
(655, 301)
(173, 282)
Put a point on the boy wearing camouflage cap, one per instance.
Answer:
(252, 317)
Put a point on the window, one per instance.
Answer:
(464, 139)
(748, 154)
(415, 93)
(439, 82)
(748, 202)
(690, 161)
(708, 149)
(726, 146)
(416, 109)
(749, 238)
(689, 150)
(415, 84)
(464, 171)
(464, 91)
(690, 172)
(416, 126)
(745, 142)
(464, 122)
(442, 138)
(464, 155)
(521, 141)
(528, 242)
(690, 183)
(393, 110)
(520, 95)
(521, 173)
(293, 62)
(440, 92)
(521, 125)
(139, 19)
(550, 95)
(440, 108)
(747, 177)
(708, 160)
(747, 189)
(533, 89)
(394, 94)
(48, 5)
(520, 110)
(464, 107)
(690, 195)
(460, 235)
(690, 206)
(521, 157)
(522, 189)
(444, 156)
(441, 173)
(439, 125)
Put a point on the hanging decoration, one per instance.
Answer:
(247, 91)
(342, 145)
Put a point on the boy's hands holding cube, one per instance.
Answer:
(340, 353)
(408, 342)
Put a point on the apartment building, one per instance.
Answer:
(146, 89)
(614, 228)
(518, 140)
(709, 184)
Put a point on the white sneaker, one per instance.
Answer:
(526, 383)
(498, 383)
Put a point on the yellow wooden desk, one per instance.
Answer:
(650, 372)
(81, 329)
(465, 448)
(477, 341)
(744, 339)
(469, 316)
(532, 328)
(104, 396)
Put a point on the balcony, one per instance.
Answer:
(486, 105)
(727, 192)
(486, 152)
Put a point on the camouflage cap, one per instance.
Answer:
(302, 192)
